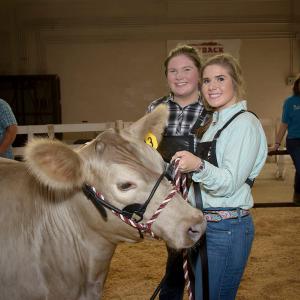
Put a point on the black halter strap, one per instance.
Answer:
(136, 211)
(132, 211)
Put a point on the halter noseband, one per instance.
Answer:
(132, 214)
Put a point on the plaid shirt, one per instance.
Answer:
(181, 119)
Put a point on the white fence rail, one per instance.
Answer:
(50, 130)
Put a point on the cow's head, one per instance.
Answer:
(121, 166)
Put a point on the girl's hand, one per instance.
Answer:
(188, 162)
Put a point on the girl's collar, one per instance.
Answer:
(226, 112)
(198, 100)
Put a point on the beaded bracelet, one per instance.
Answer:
(198, 170)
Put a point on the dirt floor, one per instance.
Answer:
(273, 268)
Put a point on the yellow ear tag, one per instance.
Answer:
(151, 140)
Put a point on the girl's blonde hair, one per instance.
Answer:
(233, 67)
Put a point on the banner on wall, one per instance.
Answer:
(210, 47)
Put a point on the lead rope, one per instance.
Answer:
(143, 227)
(181, 186)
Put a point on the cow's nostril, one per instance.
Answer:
(191, 230)
(196, 231)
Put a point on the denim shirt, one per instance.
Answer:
(241, 152)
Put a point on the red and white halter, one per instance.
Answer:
(146, 227)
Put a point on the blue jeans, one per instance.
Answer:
(228, 247)
(293, 147)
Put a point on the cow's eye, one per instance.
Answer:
(125, 186)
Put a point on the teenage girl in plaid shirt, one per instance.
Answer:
(182, 68)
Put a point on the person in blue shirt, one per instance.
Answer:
(8, 130)
(231, 154)
(290, 123)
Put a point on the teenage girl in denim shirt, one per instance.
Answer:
(234, 150)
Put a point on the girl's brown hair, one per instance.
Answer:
(186, 50)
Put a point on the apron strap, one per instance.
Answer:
(200, 262)
(199, 121)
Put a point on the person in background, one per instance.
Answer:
(290, 123)
(8, 130)
(182, 68)
(231, 154)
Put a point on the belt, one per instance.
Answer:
(219, 215)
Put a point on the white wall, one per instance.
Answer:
(112, 80)
(266, 65)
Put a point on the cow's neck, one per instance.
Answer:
(78, 246)
(99, 263)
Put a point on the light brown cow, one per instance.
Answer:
(54, 243)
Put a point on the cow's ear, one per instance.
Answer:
(154, 122)
(54, 164)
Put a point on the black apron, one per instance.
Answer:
(170, 144)
(167, 148)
